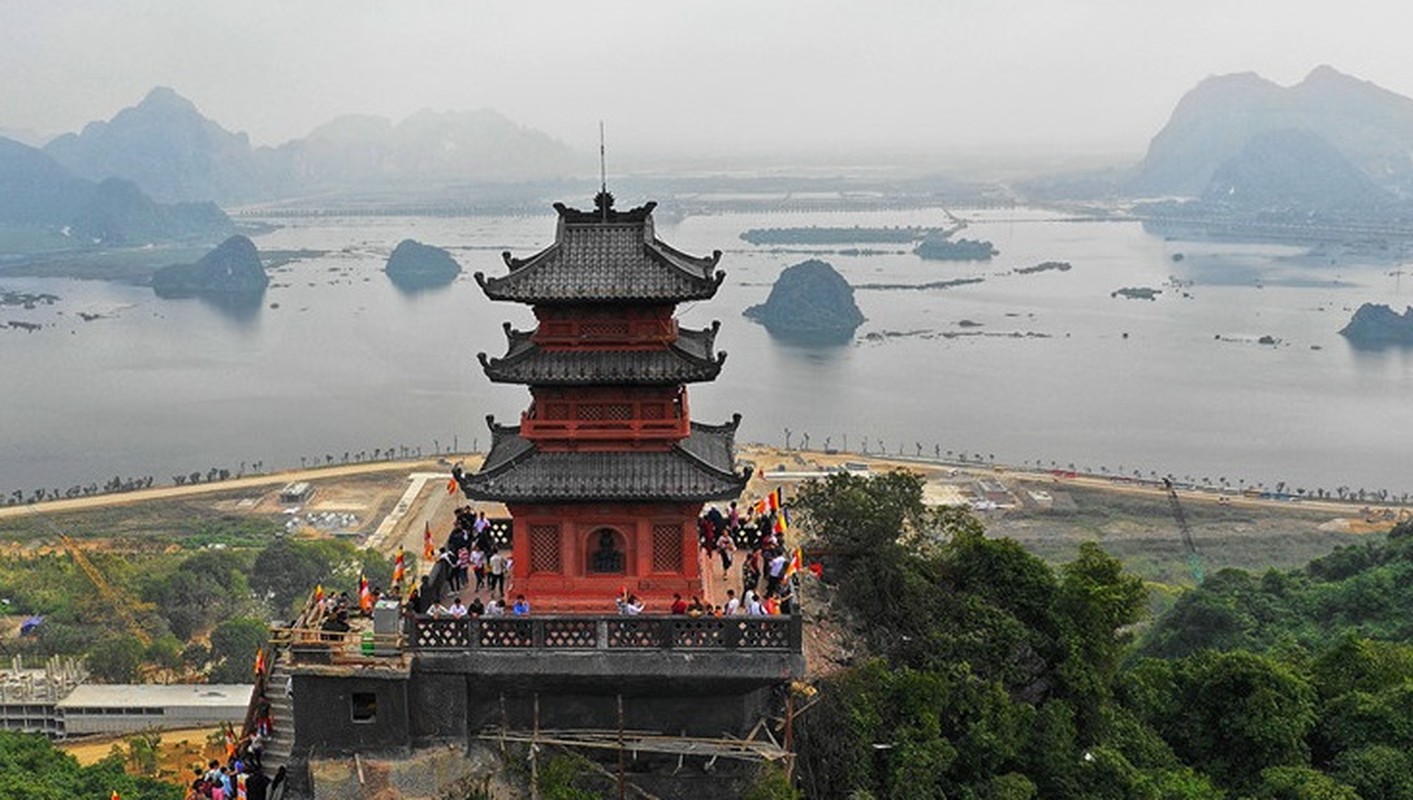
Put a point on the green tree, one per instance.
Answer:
(200, 591)
(1300, 783)
(771, 784)
(1236, 714)
(115, 658)
(1095, 601)
(233, 646)
(1377, 772)
(287, 571)
(165, 651)
(32, 769)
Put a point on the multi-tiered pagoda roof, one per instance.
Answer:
(605, 256)
(697, 469)
(611, 360)
(687, 359)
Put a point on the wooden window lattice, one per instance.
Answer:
(544, 549)
(667, 548)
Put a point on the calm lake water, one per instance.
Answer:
(347, 362)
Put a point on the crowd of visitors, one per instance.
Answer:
(241, 774)
(472, 563)
(758, 534)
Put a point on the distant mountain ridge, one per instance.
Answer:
(165, 145)
(38, 193)
(1295, 170)
(1212, 124)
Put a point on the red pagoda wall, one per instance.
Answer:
(558, 547)
(607, 418)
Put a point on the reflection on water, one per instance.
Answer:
(237, 307)
(814, 342)
(415, 284)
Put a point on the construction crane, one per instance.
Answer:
(1194, 561)
(119, 603)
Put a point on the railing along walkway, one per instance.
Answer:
(647, 632)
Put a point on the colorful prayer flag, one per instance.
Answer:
(365, 595)
(775, 499)
(259, 661)
(399, 566)
(796, 563)
(782, 521)
(319, 593)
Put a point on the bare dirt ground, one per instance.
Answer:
(179, 752)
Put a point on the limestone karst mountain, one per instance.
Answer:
(166, 146)
(1369, 126)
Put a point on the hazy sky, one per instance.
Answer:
(709, 77)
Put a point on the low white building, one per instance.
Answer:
(125, 708)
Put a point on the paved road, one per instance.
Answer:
(191, 490)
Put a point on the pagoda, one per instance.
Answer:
(606, 474)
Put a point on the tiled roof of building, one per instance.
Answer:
(698, 469)
(687, 360)
(612, 258)
(137, 695)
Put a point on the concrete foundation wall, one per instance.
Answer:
(324, 715)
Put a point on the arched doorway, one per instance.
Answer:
(607, 552)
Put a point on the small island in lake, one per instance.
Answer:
(1137, 293)
(414, 265)
(1377, 325)
(232, 269)
(1045, 266)
(810, 303)
(938, 248)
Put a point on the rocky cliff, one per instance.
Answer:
(414, 265)
(233, 268)
(1293, 169)
(1211, 124)
(1377, 325)
(810, 302)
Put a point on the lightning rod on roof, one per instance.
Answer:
(603, 175)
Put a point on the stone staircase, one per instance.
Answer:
(277, 750)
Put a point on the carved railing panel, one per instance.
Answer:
(437, 634)
(503, 632)
(763, 633)
(649, 632)
(635, 632)
(571, 633)
(699, 632)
